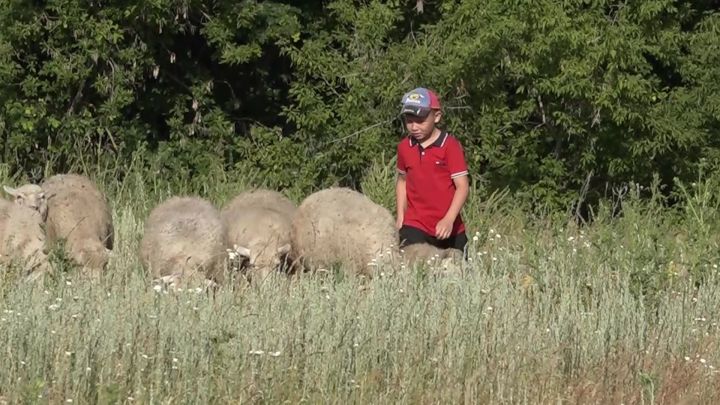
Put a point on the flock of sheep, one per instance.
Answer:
(187, 239)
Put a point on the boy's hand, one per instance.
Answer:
(443, 229)
(399, 223)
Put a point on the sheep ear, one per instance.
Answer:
(284, 249)
(242, 251)
(11, 191)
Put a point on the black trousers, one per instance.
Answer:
(410, 235)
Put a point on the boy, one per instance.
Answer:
(432, 183)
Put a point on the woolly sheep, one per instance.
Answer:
(22, 238)
(184, 240)
(423, 252)
(342, 226)
(445, 260)
(78, 214)
(258, 227)
(74, 211)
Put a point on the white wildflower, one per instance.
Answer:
(157, 288)
(257, 352)
(275, 354)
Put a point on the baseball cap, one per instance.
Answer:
(419, 102)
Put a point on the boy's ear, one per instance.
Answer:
(438, 116)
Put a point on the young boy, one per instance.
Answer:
(432, 183)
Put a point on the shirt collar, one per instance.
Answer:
(438, 142)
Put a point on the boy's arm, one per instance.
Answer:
(400, 188)
(445, 226)
(459, 175)
(400, 199)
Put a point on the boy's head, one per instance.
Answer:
(421, 112)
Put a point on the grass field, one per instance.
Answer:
(621, 311)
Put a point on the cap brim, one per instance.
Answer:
(415, 110)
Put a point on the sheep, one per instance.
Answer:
(74, 211)
(183, 241)
(78, 214)
(340, 225)
(424, 253)
(258, 227)
(22, 238)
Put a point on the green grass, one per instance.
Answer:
(621, 311)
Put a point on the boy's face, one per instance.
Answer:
(421, 128)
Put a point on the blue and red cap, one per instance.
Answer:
(419, 102)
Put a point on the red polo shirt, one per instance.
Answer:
(429, 174)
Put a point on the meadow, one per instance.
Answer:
(622, 310)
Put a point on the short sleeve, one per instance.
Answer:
(401, 167)
(456, 159)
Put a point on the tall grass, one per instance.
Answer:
(621, 311)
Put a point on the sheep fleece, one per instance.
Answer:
(340, 225)
(182, 236)
(261, 198)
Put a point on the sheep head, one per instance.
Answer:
(260, 263)
(31, 196)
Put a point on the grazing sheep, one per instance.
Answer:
(423, 252)
(184, 240)
(342, 226)
(446, 260)
(22, 238)
(258, 227)
(78, 214)
(74, 211)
